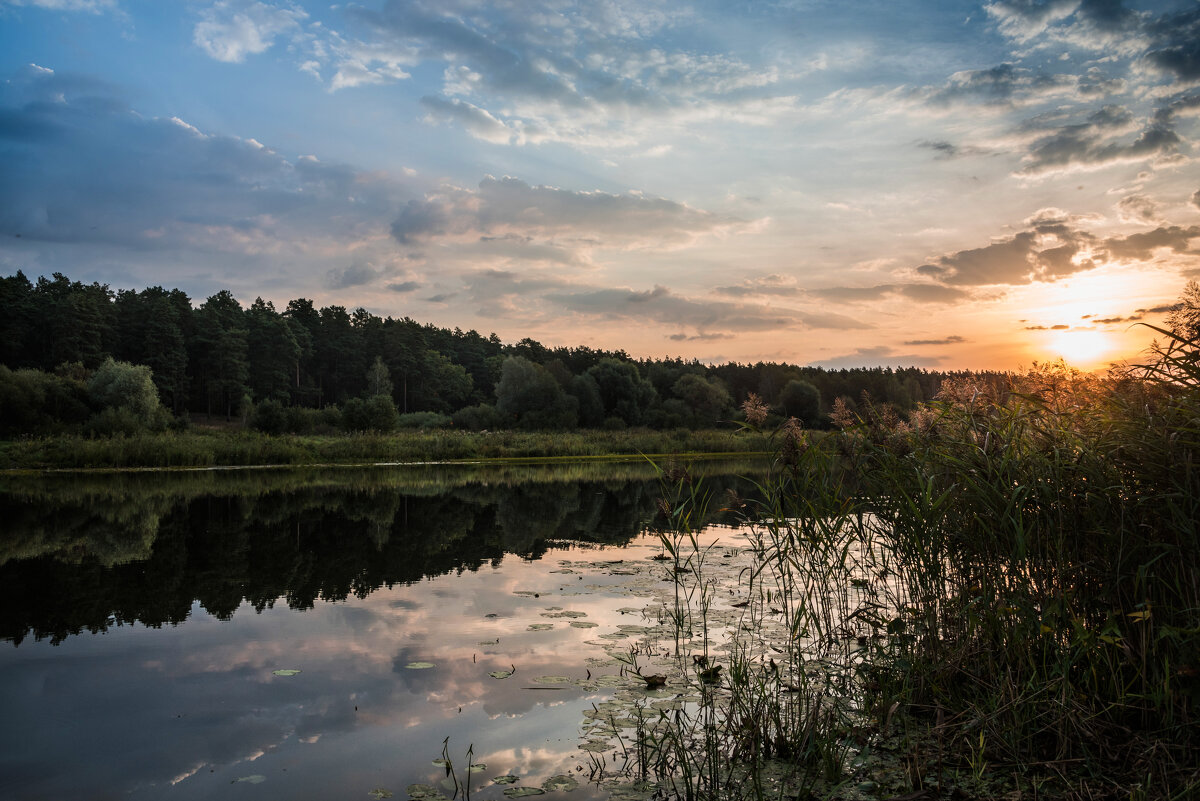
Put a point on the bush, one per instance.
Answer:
(124, 385)
(424, 420)
(478, 418)
(270, 417)
(354, 415)
(381, 414)
(114, 421)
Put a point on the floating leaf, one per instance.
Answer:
(478, 767)
(583, 624)
(553, 680)
(521, 792)
(610, 680)
(285, 672)
(595, 746)
(257, 778)
(541, 626)
(500, 674)
(441, 763)
(561, 782)
(423, 791)
(506, 779)
(419, 665)
(380, 792)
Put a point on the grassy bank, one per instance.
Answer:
(221, 448)
(997, 598)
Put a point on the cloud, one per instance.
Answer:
(1196, 199)
(1024, 19)
(1004, 84)
(229, 30)
(1141, 246)
(1175, 44)
(472, 119)
(503, 208)
(950, 340)
(699, 337)
(662, 306)
(1091, 24)
(775, 285)
(1059, 327)
(1053, 247)
(404, 286)
(98, 173)
(1096, 142)
(591, 74)
(503, 293)
(1137, 208)
(354, 275)
(875, 356)
(92, 6)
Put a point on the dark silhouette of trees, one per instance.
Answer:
(802, 400)
(306, 368)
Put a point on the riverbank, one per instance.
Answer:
(225, 448)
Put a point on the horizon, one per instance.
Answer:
(978, 186)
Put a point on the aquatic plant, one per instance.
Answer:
(998, 593)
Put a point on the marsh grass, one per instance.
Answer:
(999, 596)
(220, 447)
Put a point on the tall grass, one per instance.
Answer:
(1000, 595)
(204, 448)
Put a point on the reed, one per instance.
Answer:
(205, 448)
(998, 595)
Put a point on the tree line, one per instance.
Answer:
(86, 357)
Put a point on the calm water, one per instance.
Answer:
(144, 617)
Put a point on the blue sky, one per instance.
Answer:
(937, 184)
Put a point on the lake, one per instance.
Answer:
(331, 632)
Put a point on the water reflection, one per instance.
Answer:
(351, 577)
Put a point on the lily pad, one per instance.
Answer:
(521, 792)
(541, 626)
(595, 746)
(380, 792)
(419, 665)
(508, 778)
(257, 778)
(478, 767)
(441, 763)
(285, 672)
(583, 624)
(423, 791)
(560, 782)
(500, 674)
(553, 680)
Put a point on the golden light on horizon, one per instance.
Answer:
(1085, 349)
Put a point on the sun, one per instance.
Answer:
(1085, 349)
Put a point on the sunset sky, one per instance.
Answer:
(939, 184)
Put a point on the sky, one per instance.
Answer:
(948, 185)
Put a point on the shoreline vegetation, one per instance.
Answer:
(997, 597)
(201, 448)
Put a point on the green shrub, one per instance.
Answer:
(423, 420)
(269, 417)
(478, 418)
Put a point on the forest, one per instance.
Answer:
(86, 359)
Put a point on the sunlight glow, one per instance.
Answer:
(1085, 349)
